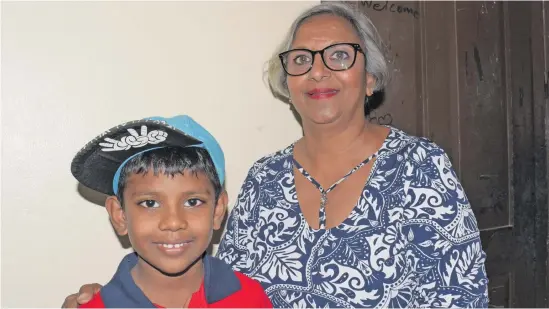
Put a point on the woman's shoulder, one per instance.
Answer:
(274, 161)
(408, 145)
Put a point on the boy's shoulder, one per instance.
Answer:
(251, 294)
(247, 282)
(222, 288)
(225, 292)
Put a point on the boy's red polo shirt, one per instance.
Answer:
(221, 288)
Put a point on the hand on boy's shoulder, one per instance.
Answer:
(253, 292)
(95, 302)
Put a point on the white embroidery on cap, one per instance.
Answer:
(134, 140)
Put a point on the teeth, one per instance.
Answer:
(171, 246)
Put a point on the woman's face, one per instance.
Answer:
(323, 96)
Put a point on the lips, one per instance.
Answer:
(322, 93)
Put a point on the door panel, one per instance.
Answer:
(483, 124)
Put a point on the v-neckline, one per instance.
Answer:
(322, 212)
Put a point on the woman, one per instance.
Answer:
(353, 214)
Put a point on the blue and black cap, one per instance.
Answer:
(99, 163)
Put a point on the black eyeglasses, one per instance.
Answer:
(336, 57)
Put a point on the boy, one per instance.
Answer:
(164, 178)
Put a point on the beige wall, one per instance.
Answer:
(73, 69)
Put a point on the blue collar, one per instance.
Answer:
(121, 292)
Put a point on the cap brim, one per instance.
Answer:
(97, 162)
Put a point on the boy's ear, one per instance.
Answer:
(117, 215)
(220, 210)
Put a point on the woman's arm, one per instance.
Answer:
(441, 226)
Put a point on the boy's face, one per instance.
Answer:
(169, 220)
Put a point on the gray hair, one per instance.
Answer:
(376, 63)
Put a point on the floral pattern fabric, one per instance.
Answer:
(411, 241)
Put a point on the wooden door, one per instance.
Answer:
(472, 76)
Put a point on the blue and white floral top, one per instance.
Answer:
(411, 241)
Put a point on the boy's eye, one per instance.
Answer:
(193, 202)
(149, 204)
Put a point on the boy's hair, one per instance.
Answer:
(170, 161)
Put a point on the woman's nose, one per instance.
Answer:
(319, 70)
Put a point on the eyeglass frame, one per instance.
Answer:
(355, 46)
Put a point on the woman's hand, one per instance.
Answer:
(83, 296)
